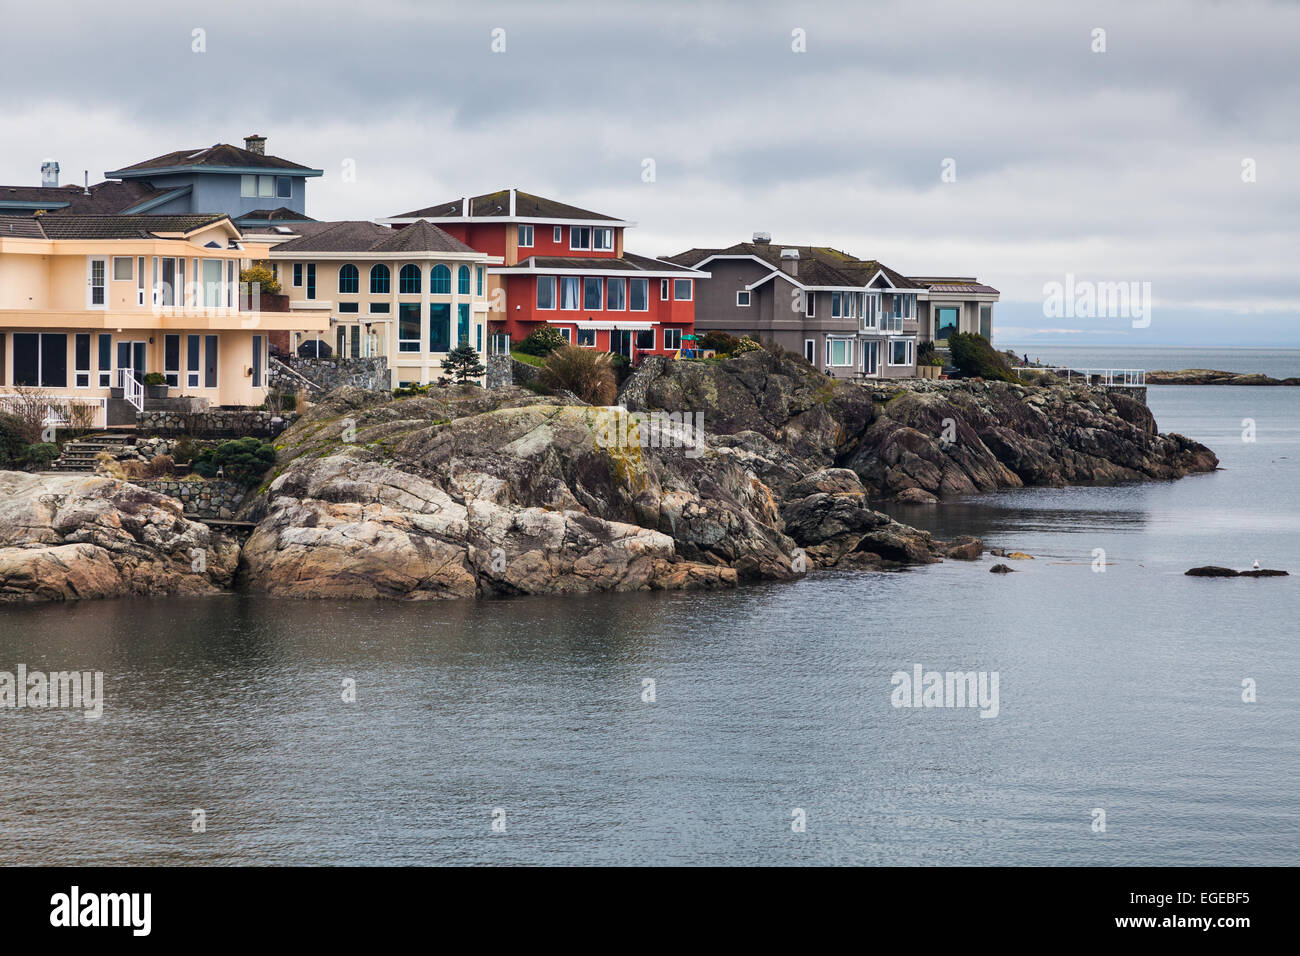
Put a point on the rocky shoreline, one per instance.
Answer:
(466, 493)
(1209, 376)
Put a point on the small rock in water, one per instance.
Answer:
(1213, 571)
(916, 496)
(1001, 569)
(1020, 556)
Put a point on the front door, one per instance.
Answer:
(130, 355)
(97, 282)
(871, 358)
(620, 342)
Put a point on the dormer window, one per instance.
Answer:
(602, 239)
(579, 237)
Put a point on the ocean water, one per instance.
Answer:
(1119, 691)
(1279, 363)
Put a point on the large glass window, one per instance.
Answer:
(283, 187)
(408, 327)
(212, 283)
(439, 327)
(616, 294)
(311, 280)
(579, 237)
(408, 283)
(349, 280)
(380, 279)
(462, 280)
(587, 338)
(248, 187)
(546, 292)
(640, 295)
(682, 290)
(462, 324)
(602, 239)
(105, 363)
(440, 281)
(591, 289)
(672, 339)
(525, 236)
(570, 287)
(645, 339)
(172, 360)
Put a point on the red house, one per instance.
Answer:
(566, 267)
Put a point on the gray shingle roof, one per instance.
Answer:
(362, 237)
(20, 227)
(497, 204)
(220, 154)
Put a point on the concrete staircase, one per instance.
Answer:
(80, 455)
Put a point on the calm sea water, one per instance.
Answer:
(1279, 363)
(1118, 690)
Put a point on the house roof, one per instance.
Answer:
(105, 199)
(278, 216)
(220, 156)
(20, 227)
(497, 205)
(365, 236)
(958, 285)
(818, 265)
(630, 263)
(106, 227)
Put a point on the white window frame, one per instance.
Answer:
(645, 298)
(265, 187)
(287, 179)
(557, 235)
(77, 370)
(90, 279)
(690, 288)
(909, 353)
(831, 342)
(578, 231)
(748, 298)
(526, 231)
(130, 272)
(586, 345)
(602, 239)
(675, 333)
(665, 290)
(173, 375)
(600, 294)
(248, 186)
(193, 374)
(810, 351)
(104, 375)
(554, 294)
(610, 284)
(810, 303)
(566, 333)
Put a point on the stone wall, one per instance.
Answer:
(200, 499)
(521, 372)
(498, 371)
(215, 423)
(330, 373)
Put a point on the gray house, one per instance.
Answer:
(254, 189)
(850, 317)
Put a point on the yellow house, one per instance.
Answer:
(409, 295)
(90, 305)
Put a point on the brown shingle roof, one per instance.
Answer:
(105, 199)
(421, 236)
(497, 204)
(220, 154)
(114, 227)
(279, 214)
(20, 227)
(818, 265)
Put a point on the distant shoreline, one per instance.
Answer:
(1208, 376)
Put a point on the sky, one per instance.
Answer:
(1008, 141)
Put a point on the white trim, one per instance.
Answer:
(505, 220)
(812, 359)
(90, 271)
(605, 326)
(749, 296)
(591, 238)
(532, 236)
(597, 271)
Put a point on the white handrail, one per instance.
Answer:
(131, 388)
(1118, 377)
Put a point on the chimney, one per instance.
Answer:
(255, 144)
(790, 261)
(762, 238)
(49, 173)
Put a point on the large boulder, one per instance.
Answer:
(64, 537)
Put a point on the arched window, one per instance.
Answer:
(440, 281)
(349, 280)
(379, 279)
(408, 280)
(462, 280)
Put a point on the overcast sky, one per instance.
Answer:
(1124, 165)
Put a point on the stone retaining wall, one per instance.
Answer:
(200, 499)
(330, 373)
(498, 371)
(215, 423)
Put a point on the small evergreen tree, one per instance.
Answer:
(462, 363)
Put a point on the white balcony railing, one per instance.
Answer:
(1119, 377)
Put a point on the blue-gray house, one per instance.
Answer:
(254, 189)
(246, 184)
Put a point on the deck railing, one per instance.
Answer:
(132, 389)
(1116, 377)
